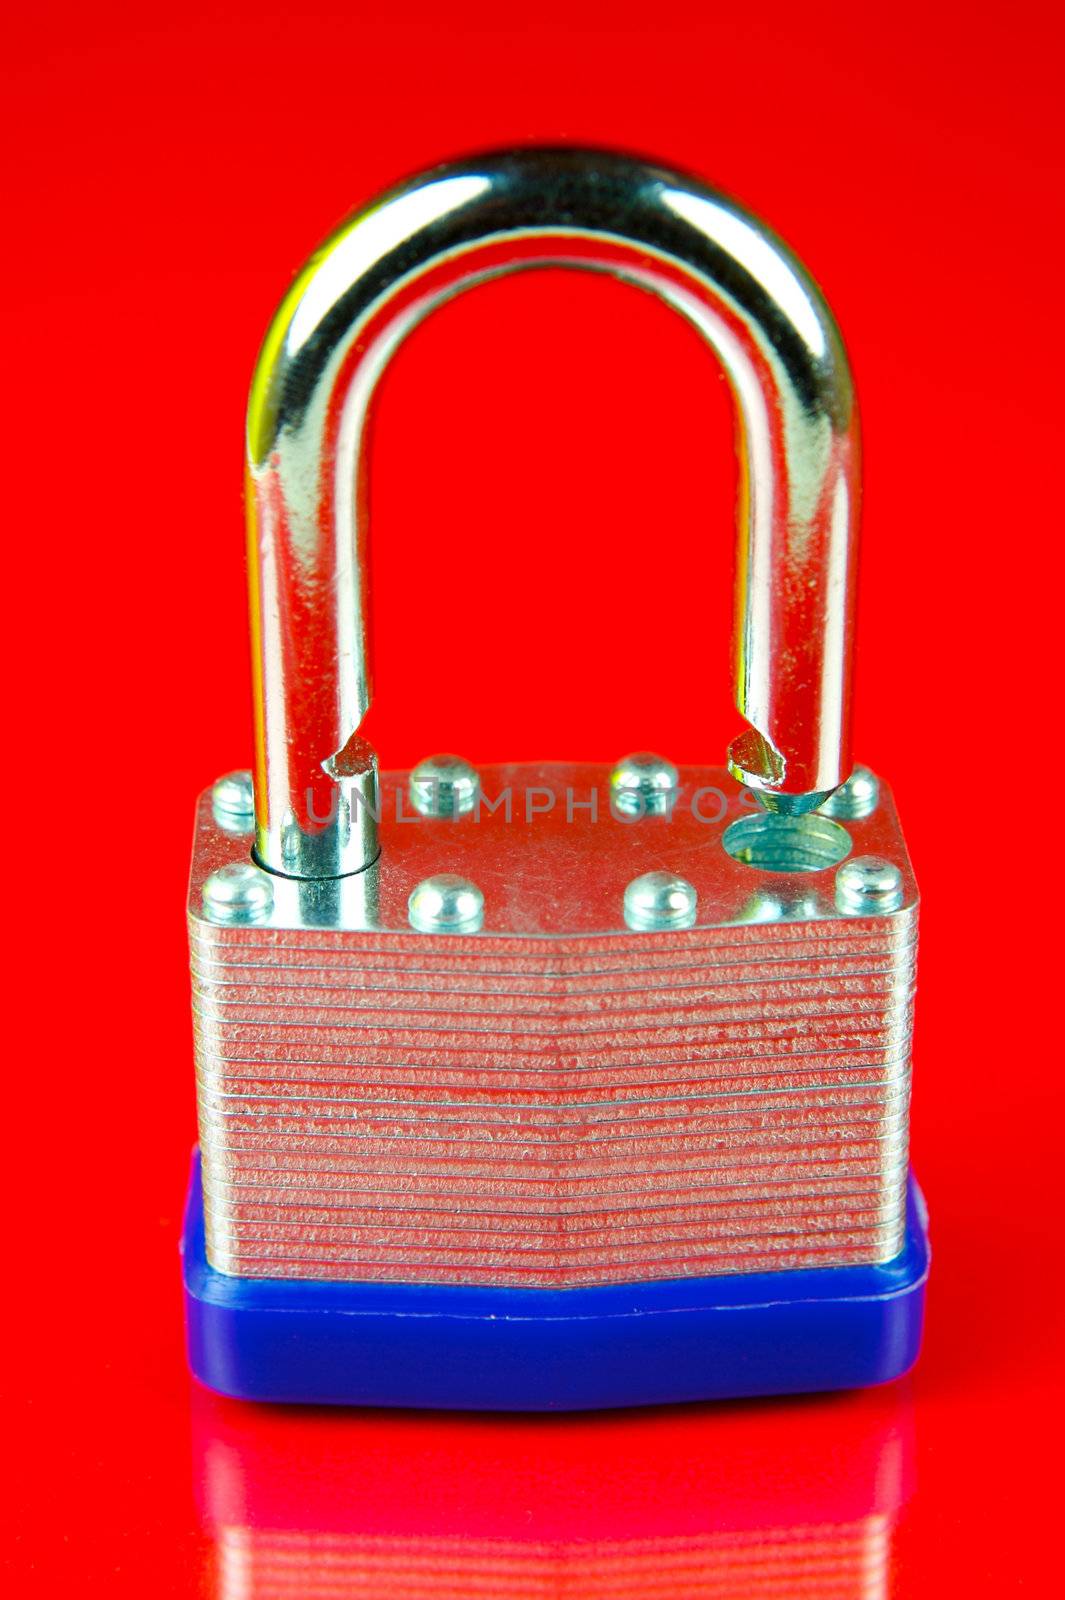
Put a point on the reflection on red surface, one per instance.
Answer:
(747, 1501)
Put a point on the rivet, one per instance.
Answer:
(868, 883)
(238, 892)
(660, 900)
(444, 786)
(644, 785)
(446, 904)
(856, 798)
(233, 802)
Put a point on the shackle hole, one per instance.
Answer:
(787, 844)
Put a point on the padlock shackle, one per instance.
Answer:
(356, 300)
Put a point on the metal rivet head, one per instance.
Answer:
(238, 892)
(644, 785)
(868, 883)
(660, 900)
(444, 786)
(446, 904)
(856, 798)
(233, 802)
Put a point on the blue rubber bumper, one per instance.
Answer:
(381, 1344)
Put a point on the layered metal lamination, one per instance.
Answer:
(554, 1100)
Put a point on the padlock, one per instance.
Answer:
(542, 1085)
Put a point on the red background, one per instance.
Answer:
(549, 453)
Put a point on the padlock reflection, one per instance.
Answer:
(739, 1503)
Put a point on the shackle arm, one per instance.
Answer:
(358, 297)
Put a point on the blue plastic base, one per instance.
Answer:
(381, 1344)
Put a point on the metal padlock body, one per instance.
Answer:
(537, 1126)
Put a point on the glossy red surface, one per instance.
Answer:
(549, 453)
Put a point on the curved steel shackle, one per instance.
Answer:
(358, 297)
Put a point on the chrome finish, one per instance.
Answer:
(660, 900)
(555, 1099)
(444, 786)
(856, 798)
(345, 830)
(446, 904)
(643, 785)
(238, 892)
(359, 297)
(869, 883)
